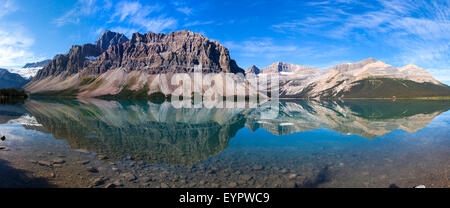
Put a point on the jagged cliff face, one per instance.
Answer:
(78, 57)
(369, 77)
(109, 38)
(176, 52)
(115, 63)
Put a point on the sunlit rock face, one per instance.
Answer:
(115, 63)
(368, 78)
(144, 131)
(368, 119)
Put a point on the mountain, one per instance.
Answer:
(365, 79)
(37, 64)
(109, 38)
(115, 64)
(11, 80)
(30, 69)
(286, 68)
(253, 69)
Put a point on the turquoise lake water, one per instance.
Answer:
(109, 143)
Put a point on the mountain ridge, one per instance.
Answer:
(11, 80)
(130, 64)
(341, 80)
(114, 64)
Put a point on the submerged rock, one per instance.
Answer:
(58, 161)
(92, 169)
(44, 163)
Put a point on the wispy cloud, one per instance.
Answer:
(183, 7)
(143, 16)
(185, 10)
(15, 44)
(197, 23)
(15, 40)
(81, 8)
(6, 7)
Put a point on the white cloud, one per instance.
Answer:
(197, 23)
(138, 15)
(15, 40)
(15, 46)
(81, 9)
(6, 7)
(182, 7)
(185, 10)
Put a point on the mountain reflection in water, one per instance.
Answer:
(157, 133)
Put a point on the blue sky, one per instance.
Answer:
(314, 33)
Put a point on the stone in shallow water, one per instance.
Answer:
(85, 162)
(257, 167)
(284, 170)
(58, 161)
(92, 169)
(292, 176)
(99, 181)
(44, 163)
(232, 185)
(213, 171)
(128, 176)
(102, 157)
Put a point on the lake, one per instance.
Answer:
(299, 144)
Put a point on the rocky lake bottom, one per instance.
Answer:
(37, 154)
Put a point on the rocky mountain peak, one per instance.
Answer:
(146, 54)
(281, 67)
(411, 67)
(37, 64)
(155, 53)
(109, 38)
(367, 61)
(253, 69)
(345, 67)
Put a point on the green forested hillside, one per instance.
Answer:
(387, 88)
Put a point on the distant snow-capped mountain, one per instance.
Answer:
(365, 79)
(30, 69)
